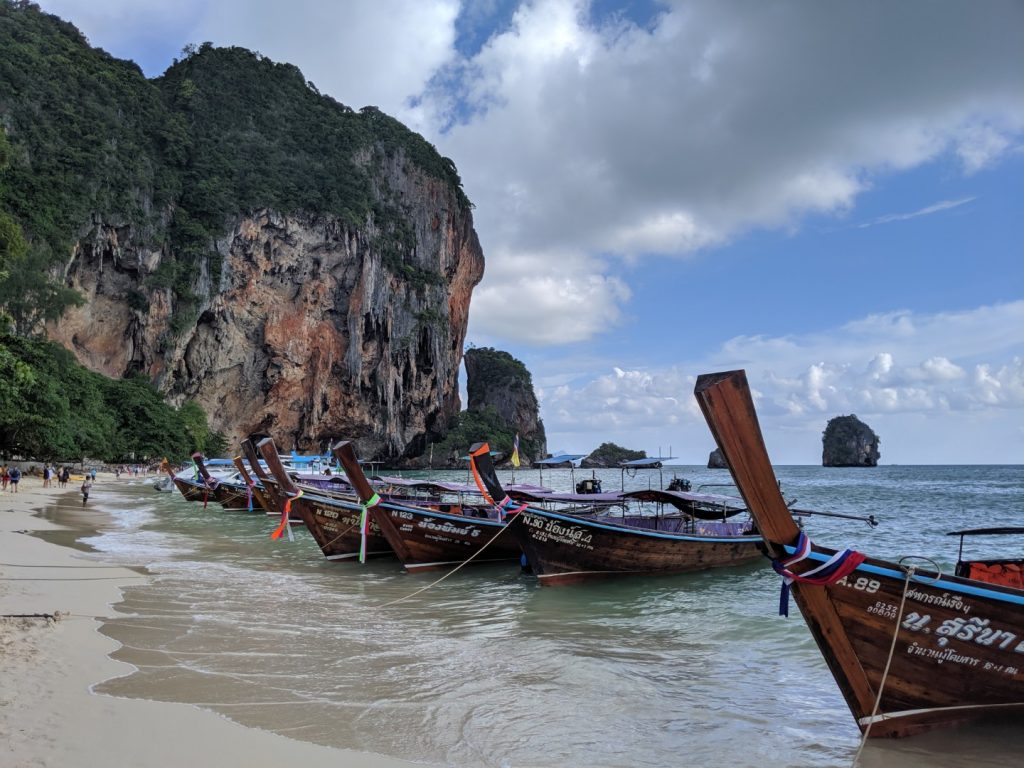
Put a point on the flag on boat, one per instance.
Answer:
(515, 451)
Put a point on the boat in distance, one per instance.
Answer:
(563, 548)
(911, 649)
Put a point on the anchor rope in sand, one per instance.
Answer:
(453, 570)
(888, 662)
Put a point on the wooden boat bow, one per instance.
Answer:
(728, 407)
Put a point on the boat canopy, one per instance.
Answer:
(568, 498)
(987, 532)
(560, 460)
(707, 506)
(297, 459)
(653, 462)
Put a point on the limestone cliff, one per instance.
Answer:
(296, 266)
(849, 442)
(306, 335)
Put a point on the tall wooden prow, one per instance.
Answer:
(346, 456)
(728, 408)
(270, 491)
(484, 475)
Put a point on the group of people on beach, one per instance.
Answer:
(11, 476)
(51, 475)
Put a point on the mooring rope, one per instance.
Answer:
(453, 570)
(340, 535)
(885, 674)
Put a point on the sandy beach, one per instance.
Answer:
(49, 715)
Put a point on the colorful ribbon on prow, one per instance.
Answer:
(483, 449)
(840, 565)
(364, 524)
(285, 514)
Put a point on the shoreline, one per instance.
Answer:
(49, 712)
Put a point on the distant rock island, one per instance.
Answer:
(716, 460)
(849, 442)
(610, 455)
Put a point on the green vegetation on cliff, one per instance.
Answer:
(470, 427)
(52, 408)
(223, 132)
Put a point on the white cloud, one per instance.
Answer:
(802, 381)
(381, 53)
(943, 205)
(546, 298)
(622, 141)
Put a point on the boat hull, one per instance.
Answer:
(192, 491)
(564, 549)
(235, 497)
(425, 540)
(959, 653)
(334, 526)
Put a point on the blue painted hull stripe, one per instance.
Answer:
(955, 586)
(640, 532)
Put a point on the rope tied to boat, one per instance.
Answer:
(840, 565)
(286, 511)
(909, 571)
(508, 507)
(249, 485)
(364, 523)
(458, 567)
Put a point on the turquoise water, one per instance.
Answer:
(488, 669)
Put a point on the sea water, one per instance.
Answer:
(486, 668)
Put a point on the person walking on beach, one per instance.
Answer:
(46, 475)
(65, 475)
(93, 475)
(86, 487)
(4, 477)
(15, 474)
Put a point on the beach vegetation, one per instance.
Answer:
(53, 409)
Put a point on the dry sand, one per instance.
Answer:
(49, 715)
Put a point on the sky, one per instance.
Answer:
(829, 195)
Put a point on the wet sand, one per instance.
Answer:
(49, 714)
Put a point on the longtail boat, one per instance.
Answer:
(256, 491)
(435, 535)
(333, 521)
(565, 548)
(273, 498)
(191, 490)
(912, 650)
(229, 494)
